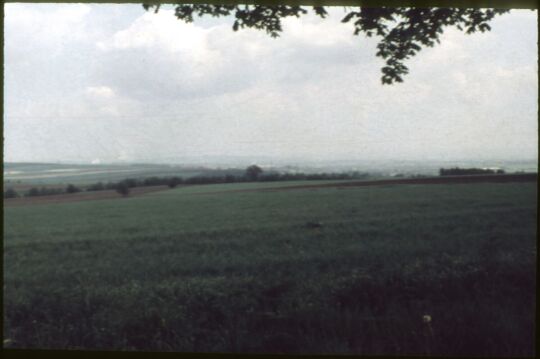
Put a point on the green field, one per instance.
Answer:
(185, 270)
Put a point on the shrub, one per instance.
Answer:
(96, 187)
(32, 192)
(456, 171)
(123, 188)
(44, 191)
(10, 193)
(174, 181)
(130, 182)
(253, 172)
(72, 189)
(153, 181)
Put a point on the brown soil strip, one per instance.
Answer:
(79, 196)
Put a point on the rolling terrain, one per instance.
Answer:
(443, 269)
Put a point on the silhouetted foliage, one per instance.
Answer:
(43, 191)
(131, 182)
(32, 192)
(153, 181)
(174, 181)
(123, 188)
(230, 179)
(253, 172)
(110, 185)
(96, 187)
(456, 171)
(403, 31)
(10, 193)
(72, 189)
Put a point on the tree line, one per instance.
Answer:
(456, 171)
(252, 174)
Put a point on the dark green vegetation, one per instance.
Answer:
(10, 193)
(329, 270)
(456, 171)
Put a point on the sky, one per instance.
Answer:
(103, 83)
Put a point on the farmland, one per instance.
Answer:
(382, 269)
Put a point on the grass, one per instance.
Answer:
(241, 271)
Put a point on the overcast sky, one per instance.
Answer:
(103, 83)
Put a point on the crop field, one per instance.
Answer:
(416, 269)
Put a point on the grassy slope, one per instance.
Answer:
(241, 271)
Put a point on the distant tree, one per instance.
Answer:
(403, 31)
(96, 187)
(270, 177)
(174, 181)
(130, 182)
(122, 188)
(229, 178)
(152, 181)
(456, 171)
(32, 192)
(72, 189)
(47, 191)
(10, 193)
(253, 172)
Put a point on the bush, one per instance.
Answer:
(10, 193)
(32, 192)
(153, 181)
(96, 187)
(72, 189)
(253, 172)
(123, 188)
(44, 191)
(130, 182)
(456, 171)
(174, 181)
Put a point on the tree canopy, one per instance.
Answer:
(403, 31)
(253, 172)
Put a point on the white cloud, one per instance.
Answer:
(160, 30)
(39, 25)
(450, 50)
(100, 91)
(314, 32)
